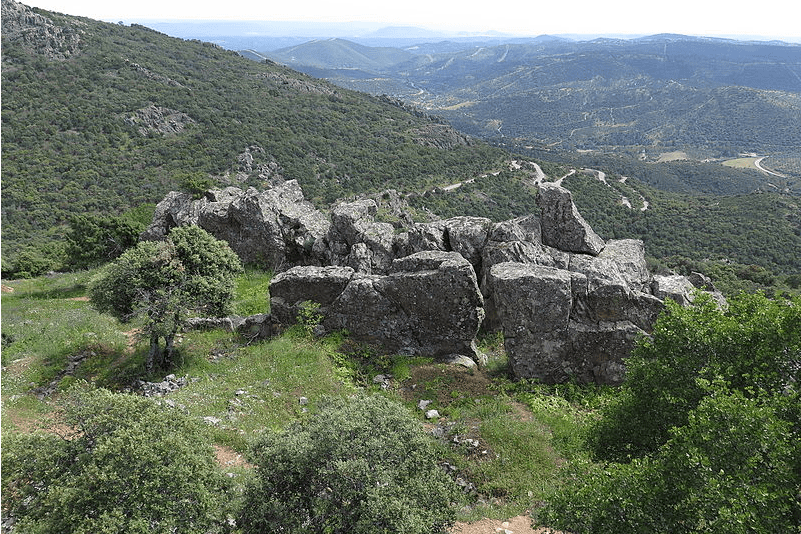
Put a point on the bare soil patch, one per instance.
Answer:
(516, 525)
(228, 457)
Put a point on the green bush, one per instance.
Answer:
(733, 468)
(706, 432)
(753, 344)
(117, 463)
(94, 239)
(359, 465)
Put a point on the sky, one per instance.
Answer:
(768, 19)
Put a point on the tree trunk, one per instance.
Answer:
(169, 351)
(153, 352)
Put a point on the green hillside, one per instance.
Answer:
(100, 118)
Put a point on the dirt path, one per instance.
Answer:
(516, 525)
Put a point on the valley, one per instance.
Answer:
(407, 284)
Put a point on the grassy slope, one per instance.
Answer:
(522, 432)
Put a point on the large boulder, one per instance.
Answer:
(355, 239)
(273, 228)
(562, 225)
(429, 304)
(547, 334)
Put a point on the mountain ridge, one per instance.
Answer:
(598, 94)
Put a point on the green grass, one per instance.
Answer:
(252, 292)
(256, 387)
(524, 431)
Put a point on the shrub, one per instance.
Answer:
(733, 468)
(754, 345)
(706, 431)
(94, 239)
(359, 465)
(121, 464)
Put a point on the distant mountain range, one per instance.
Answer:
(657, 93)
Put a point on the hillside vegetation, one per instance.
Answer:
(104, 119)
(653, 93)
(115, 116)
(506, 447)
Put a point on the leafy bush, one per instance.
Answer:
(359, 465)
(754, 345)
(121, 464)
(733, 468)
(706, 430)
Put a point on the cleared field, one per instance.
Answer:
(672, 156)
(741, 163)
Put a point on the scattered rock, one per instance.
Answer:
(158, 119)
(159, 389)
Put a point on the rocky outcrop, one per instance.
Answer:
(356, 240)
(578, 323)
(429, 304)
(158, 119)
(39, 34)
(562, 225)
(569, 304)
(274, 228)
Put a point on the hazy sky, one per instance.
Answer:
(767, 18)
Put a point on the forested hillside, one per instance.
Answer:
(654, 93)
(105, 119)
(100, 118)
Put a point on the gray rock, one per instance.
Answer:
(274, 228)
(562, 225)
(675, 287)
(428, 305)
(465, 235)
(355, 239)
(554, 323)
(291, 288)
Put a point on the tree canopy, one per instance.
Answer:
(190, 271)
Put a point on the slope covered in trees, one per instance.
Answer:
(104, 117)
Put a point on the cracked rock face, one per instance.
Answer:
(273, 228)
(38, 33)
(429, 304)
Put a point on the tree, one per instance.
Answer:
(360, 465)
(119, 463)
(191, 271)
(96, 239)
